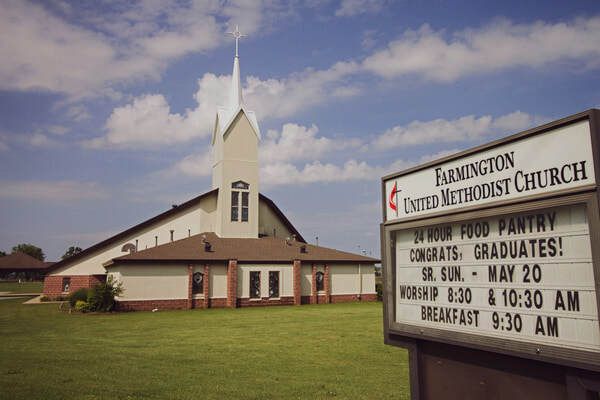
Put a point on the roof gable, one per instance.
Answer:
(122, 235)
(224, 121)
(167, 214)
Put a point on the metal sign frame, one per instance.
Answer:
(409, 336)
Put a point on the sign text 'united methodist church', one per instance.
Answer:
(559, 159)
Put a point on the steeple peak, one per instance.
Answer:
(227, 114)
(235, 96)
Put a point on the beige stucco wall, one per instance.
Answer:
(235, 158)
(345, 279)
(197, 219)
(152, 282)
(269, 223)
(286, 279)
(368, 277)
(218, 281)
(306, 287)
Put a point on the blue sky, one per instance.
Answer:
(106, 107)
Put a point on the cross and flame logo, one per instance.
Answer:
(393, 201)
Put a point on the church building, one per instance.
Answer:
(229, 247)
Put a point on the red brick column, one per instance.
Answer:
(190, 286)
(297, 271)
(327, 284)
(232, 284)
(313, 285)
(206, 286)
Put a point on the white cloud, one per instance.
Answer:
(193, 165)
(281, 151)
(78, 113)
(350, 8)
(58, 129)
(289, 174)
(369, 39)
(51, 190)
(129, 42)
(280, 98)
(148, 121)
(41, 140)
(447, 131)
(501, 45)
(297, 142)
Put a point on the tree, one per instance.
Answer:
(71, 251)
(2, 254)
(30, 249)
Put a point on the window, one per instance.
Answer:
(235, 205)
(198, 283)
(66, 284)
(240, 185)
(273, 284)
(245, 206)
(320, 278)
(254, 284)
(240, 200)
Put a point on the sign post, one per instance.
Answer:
(491, 262)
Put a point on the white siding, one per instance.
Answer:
(197, 219)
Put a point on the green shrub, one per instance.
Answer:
(43, 299)
(379, 290)
(78, 295)
(81, 306)
(101, 297)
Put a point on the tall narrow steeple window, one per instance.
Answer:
(245, 206)
(235, 208)
(239, 201)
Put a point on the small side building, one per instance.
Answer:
(22, 266)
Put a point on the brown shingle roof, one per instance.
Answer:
(21, 261)
(267, 249)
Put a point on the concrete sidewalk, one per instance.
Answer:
(36, 300)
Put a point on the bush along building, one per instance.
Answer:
(229, 247)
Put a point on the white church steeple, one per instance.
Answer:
(235, 95)
(235, 161)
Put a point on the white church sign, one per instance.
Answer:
(550, 162)
(497, 248)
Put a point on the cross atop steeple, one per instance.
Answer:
(237, 35)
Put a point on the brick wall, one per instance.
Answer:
(232, 284)
(53, 283)
(190, 302)
(313, 285)
(149, 305)
(218, 303)
(327, 284)
(206, 287)
(346, 298)
(297, 276)
(265, 301)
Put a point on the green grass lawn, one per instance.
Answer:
(23, 287)
(306, 352)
